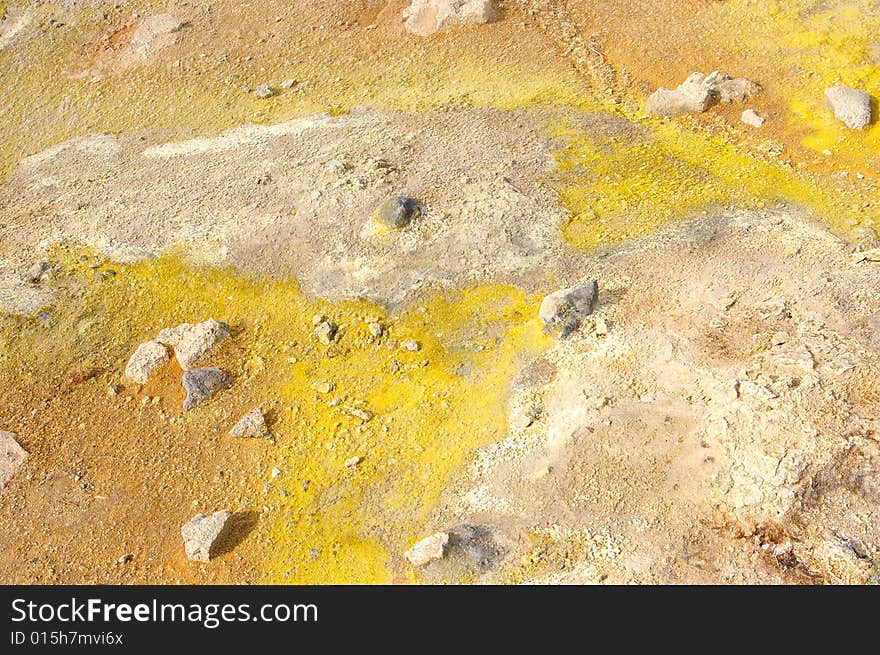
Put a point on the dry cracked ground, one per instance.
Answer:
(229, 355)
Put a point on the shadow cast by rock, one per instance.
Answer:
(236, 530)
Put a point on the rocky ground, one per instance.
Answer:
(302, 292)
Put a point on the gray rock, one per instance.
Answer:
(12, 456)
(426, 17)
(397, 212)
(566, 308)
(202, 383)
(729, 89)
(200, 533)
(851, 106)
(190, 341)
(145, 360)
(252, 424)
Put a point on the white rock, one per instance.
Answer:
(200, 533)
(428, 549)
(699, 92)
(693, 95)
(192, 341)
(851, 106)
(252, 424)
(145, 360)
(263, 91)
(325, 332)
(155, 33)
(753, 118)
(426, 17)
(12, 456)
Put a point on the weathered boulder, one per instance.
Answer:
(12, 456)
(190, 341)
(566, 308)
(201, 532)
(699, 92)
(426, 17)
(850, 106)
(154, 33)
(397, 212)
(145, 360)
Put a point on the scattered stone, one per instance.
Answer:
(275, 472)
(791, 360)
(411, 345)
(426, 17)
(200, 533)
(749, 389)
(397, 212)
(202, 383)
(851, 106)
(865, 238)
(325, 332)
(376, 329)
(289, 84)
(124, 559)
(837, 561)
(699, 92)
(192, 341)
(154, 33)
(428, 549)
(36, 272)
(753, 118)
(146, 359)
(778, 338)
(566, 308)
(362, 414)
(540, 473)
(601, 327)
(251, 425)
(322, 387)
(263, 91)
(12, 456)
(352, 462)
(692, 96)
